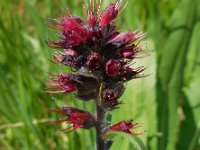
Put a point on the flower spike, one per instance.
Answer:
(101, 58)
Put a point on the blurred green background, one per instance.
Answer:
(167, 102)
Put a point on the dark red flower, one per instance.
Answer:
(78, 118)
(63, 83)
(74, 31)
(112, 67)
(126, 127)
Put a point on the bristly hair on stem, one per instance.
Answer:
(102, 59)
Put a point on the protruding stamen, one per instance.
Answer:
(122, 10)
(118, 4)
(68, 13)
(57, 122)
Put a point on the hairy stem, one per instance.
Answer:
(100, 118)
(101, 121)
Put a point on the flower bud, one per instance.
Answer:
(109, 14)
(112, 67)
(93, 61)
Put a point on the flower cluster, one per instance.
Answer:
(99, 54)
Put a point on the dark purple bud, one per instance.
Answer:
(79, 61)
(128, 73)
(93, 61)
(111, 96)
(128, 52)
(112, 67)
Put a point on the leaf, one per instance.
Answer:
(130, 138)
(173, 53)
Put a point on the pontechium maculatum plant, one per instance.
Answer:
(100, 57)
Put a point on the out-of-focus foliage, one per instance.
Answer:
(167, 102)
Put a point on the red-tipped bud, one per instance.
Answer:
(71, 23)
(74, 31)
(92, 20)
(108, 15)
